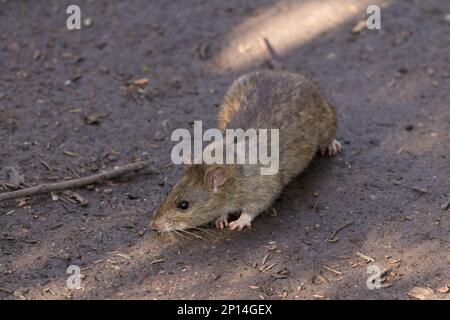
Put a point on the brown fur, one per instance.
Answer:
(259, 100)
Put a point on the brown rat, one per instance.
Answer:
(260, 100)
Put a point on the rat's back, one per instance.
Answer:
(286, 101)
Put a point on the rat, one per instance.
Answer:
(266, 99)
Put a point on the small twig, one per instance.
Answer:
(446, 205)
(75, 183)
(339, 273)
(271, 57)
(333, 236)
(367, 259)
(398, 183)
(47, 166)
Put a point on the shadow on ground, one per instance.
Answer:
(390, 88)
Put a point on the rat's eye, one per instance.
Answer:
(183, 205)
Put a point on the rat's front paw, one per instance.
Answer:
(241, 223)
(334, 148)
(222, 221)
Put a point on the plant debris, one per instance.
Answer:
(140, 82)
(94, 118)
(367, 259)
(157, 261)
(422, 293)
(446, 205)
(359, 26)
(339, 273)
(77, 198)
(123, 255)
(333, 236)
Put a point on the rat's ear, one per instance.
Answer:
(215, 177)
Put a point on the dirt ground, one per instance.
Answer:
(382, 197)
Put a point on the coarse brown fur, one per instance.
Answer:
(259, 100)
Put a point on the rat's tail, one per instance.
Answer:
(270, 56)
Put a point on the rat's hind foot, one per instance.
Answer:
(243, 221)
(334, 148)
(222, 221)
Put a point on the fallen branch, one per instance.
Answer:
(75, 183)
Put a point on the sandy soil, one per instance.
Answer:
(391, 88)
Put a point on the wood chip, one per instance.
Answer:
(359, 26)
(339, 273)
(319, 279)
(70, 154)
(264, 259)
(122, 255)
(141, 82)
(367, 259)
(265, 269)
(157, 261)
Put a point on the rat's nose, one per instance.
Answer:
(155, 226)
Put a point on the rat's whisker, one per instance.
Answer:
(206, 231)
(191, 233)
(181, 235)
(171, 235)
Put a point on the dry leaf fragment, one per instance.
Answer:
(94, 118)
(444, 289)
(141, 82)
(422, 293)
(77, 197)
(359, 26)
(24, 203)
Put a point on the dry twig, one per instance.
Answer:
(75, 183)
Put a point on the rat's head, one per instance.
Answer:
(198, 198)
